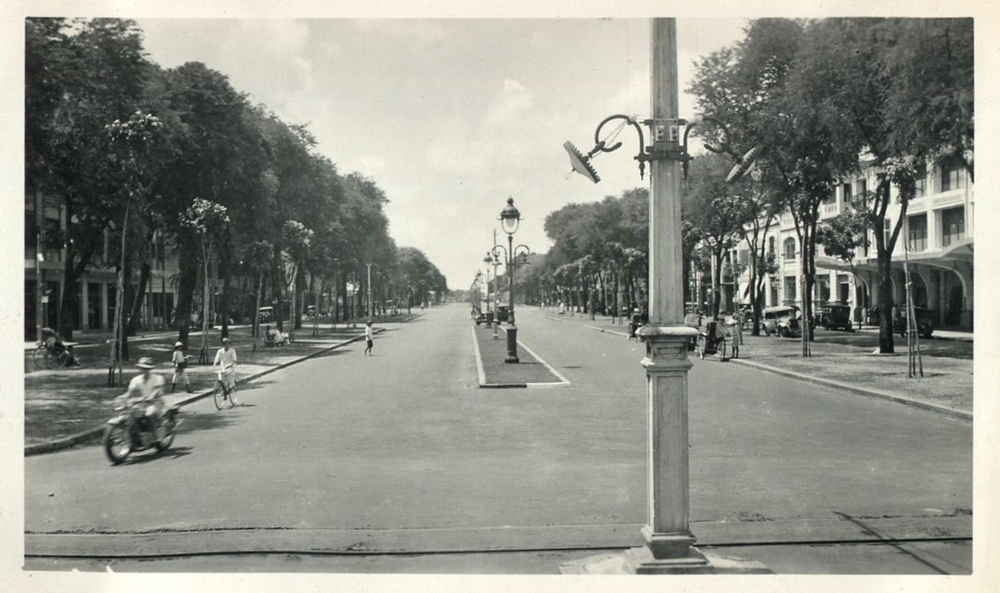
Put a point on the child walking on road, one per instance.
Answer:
(180, 361)
(369, 336)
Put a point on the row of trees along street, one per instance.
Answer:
(134, 154)
(823, 100)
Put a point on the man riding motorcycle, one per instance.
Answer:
(148, 387)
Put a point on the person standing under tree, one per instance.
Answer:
(369, 338)
(180, 361)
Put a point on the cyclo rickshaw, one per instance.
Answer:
(712, 339)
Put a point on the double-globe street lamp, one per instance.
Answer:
(510, 218)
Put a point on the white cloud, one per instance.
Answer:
(418, 32)
(510, 103)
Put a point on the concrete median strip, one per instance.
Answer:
(91, 434)
(519, 370)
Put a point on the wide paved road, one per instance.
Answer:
(401, 451)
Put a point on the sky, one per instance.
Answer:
(451, 117)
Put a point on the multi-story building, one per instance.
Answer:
(94, 297)
(936, 238)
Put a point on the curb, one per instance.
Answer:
(902, 399)
(563, 381)
(87, 435)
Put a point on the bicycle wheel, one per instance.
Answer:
(219, 395)
(58, 360)
(232, 397)
(39, 358)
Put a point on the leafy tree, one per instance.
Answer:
(714, 213)
(80, 75)
(910, 102)
(208, 221)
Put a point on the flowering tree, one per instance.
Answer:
(130, 141)
(208, 221)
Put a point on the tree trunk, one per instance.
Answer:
(185, 290)
(224, 301)
(203, 354)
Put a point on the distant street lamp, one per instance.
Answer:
(510, 218)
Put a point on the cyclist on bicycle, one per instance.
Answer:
(225, 359)
(148, 387)
(53, 342)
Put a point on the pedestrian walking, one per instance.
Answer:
(180, 368)
(736, 334)
(369, 337)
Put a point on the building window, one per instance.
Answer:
(790, 286)
(829, 196)
(952, 174)
(920, 181)
(918, 232)
(160, 260)
(952, 225)
(847, 193)
(862, 187)
(790, 248)
(770, 246)
(886, 231)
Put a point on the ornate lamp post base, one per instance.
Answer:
(511, 345)
(669, 545)
(641, 561)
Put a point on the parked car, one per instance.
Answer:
(265, 314)
(503, 313)
(835, 316)
(486, 318)
(782, 321)
(925, 322)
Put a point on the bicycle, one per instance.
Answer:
(222, 393)
(49, 357)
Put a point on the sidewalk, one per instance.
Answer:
(67, 407)
(846, 361)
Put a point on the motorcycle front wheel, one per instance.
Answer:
(117, 444)
(168, 425)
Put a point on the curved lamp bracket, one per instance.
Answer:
(677, 151)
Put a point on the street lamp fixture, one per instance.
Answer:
(663, 131)
(492, 260)
(510, 218)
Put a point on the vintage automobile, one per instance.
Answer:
(782, 321)
(503, 313)
(485, 317)
(835, 316)
(925, 322)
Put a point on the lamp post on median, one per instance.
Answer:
(510, 218)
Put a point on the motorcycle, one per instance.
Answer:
(131, 430)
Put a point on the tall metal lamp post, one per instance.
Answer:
(510, 218)
(669, 542)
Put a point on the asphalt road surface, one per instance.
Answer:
(401, 452)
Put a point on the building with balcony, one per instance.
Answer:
(936, 239)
